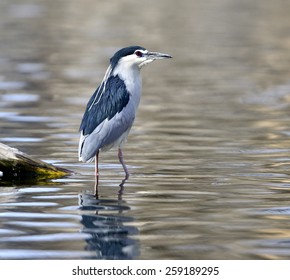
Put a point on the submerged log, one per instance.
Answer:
(16, 165)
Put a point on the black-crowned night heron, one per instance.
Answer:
(111, 111)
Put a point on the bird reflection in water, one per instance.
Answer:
(104, 221)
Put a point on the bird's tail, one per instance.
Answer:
(85, 154)
(81, 143)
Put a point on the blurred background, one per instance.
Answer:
(209, 151)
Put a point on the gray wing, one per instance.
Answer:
(107, 119)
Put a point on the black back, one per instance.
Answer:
(105, 105)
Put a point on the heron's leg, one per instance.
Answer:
(96, 173)
(120, 155)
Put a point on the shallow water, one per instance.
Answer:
(209, 151)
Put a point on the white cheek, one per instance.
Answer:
(147, 61)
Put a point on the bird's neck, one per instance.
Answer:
(132, 79)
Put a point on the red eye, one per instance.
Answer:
(138, 53)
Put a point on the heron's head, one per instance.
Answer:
(135, 56)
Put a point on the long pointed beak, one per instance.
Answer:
(157, 55)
